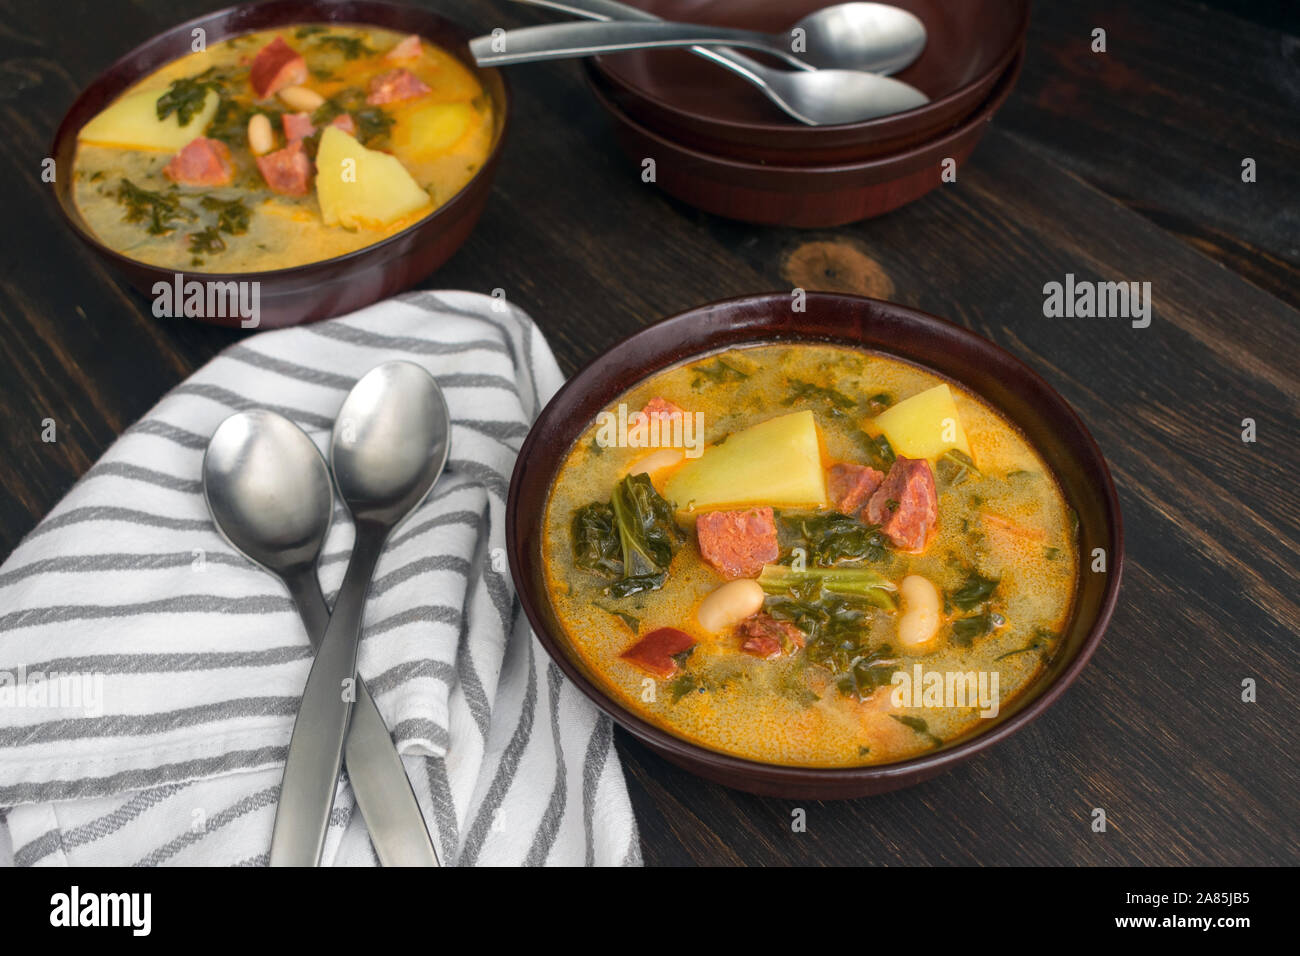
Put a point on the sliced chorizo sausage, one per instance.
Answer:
(905, 505)
(738, 543)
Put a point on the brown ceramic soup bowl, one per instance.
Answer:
(330, 287)
(688, 100)
(997, 377)
(811, 197)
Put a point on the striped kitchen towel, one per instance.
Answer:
(149, 675)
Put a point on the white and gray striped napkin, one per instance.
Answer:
(149, 675)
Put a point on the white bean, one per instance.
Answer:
(260, 137)
(729, 605)
(301, 98)
(921, 610)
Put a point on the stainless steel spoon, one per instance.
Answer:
(817, 97)
(268, 490)
(389, 446)
(847, 36)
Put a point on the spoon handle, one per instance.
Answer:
(315, 757)
(750, 70)
(379, 780)
(557, 41)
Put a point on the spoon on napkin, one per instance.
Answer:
(390, 443)
(268, 491)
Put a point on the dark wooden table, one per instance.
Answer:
(1122, 166)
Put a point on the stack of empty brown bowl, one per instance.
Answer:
(719, 145)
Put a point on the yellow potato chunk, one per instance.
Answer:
(777, 462)
(925, 425)
(431, 129)
(363, 188)
(132, 123)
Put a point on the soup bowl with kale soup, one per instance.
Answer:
(332, 153)
(822, 553)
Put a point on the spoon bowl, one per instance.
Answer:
(834, 97)
(848, 35)
(381, 470)
(268, 490)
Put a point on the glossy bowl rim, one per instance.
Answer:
(829, 782)
(1018, 39)
(121, 261)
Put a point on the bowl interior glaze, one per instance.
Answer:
(988, 371)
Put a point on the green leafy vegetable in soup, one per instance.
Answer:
(631, 539)
(828, 537)
(862, 583)
(158, 212)
(186, 96)
(596, 545)
(855, 525)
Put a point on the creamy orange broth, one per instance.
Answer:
(285, 231)
(759, 708)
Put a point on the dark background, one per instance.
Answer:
(1123, 166)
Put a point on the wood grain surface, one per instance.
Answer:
(1117, 166)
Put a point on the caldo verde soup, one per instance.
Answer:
(809, 555)
(280, 148)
